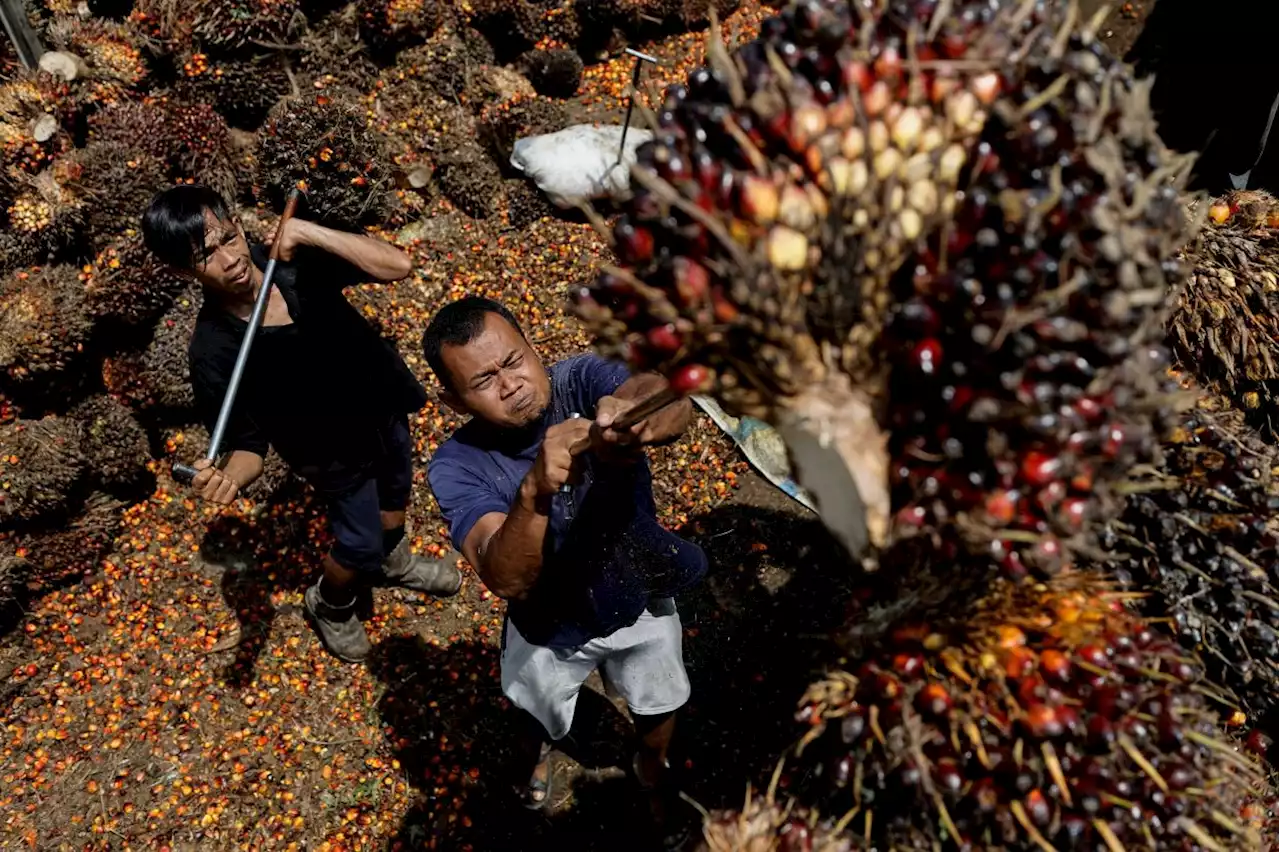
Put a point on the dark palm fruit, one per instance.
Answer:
(389, 25)
(554, 73)
(125, 286)
(133, 175)
(764, 824)
(52, 554)
(1016, 756)
(44, 329)
(468, 177)
(321, 144)
(156, 380)
(1223, 325)
(41, 469)
(226, 25)
(243, 91)
(1005, 408)
(1197, 536)
(800, 172)
(114, 444)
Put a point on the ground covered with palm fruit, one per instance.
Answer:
(161, 689)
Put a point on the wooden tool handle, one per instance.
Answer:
(290, 207)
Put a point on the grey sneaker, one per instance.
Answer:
(408, 569)
(341, 632)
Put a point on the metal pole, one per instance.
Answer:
(25, 41)
(631, 98)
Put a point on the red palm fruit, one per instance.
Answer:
(1040, 468)
(908, 665)
(1037, 807)
(634, 243)
(1042, 721)
(689, 379)
(1008, 636)
(947, 775)
(1094, 655)
(1055, 665)
(664, 339)
(933, 700)
(1018, 662)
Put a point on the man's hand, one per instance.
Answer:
(554, 465)
(295, 233)
(616, 444)
(212, 484)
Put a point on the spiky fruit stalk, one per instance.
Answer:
(116, 67)
(126, 287)
(58, 554)
(469, 179)
(44, 328)
(554, 73)
(113, 181)
(320, 143)
(156, 380)
(1223, 328)
(221, 25)
(242, 91)
(41, 468)
(765, 826)
(192, 139)
(114, 445)
(1198, 533)
(1027, 373)
(37, 118)
(390, 25)
(1036, 715)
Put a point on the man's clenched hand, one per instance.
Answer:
(296, 232)
(212, 484)
(554, 465)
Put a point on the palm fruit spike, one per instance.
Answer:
(114, 445)
(37, 115)
(333, 54)
(41, 467)
(469, 179)
(126, 286)
(192, 139)
(234, 24)
(769, 166)
(1019, 715)
(115, 64)
(1224, 324)
(389, 25)
(321, 143)
(45, 218)
(1027, 373)
(242, 91)
(54, 556)
(157, 380)
(113, 181)
(44, 327)
(1198, 534)
(765, 826)
(553, 73)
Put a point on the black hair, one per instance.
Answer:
(173, 226)
(457, 324)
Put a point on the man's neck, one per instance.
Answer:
(242, 306)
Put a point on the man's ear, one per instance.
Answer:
(453, 401)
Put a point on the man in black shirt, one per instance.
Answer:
(321, 387)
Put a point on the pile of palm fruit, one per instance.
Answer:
(375, 109)
(945, 239)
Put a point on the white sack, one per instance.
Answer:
(579, 163)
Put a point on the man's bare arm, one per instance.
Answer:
(378, 259)
(507, 549)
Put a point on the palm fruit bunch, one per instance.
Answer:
(502, 123)
(219, 25)
(390, 25)
(525, 204)
(321, 144)
(443, 65)
(115, 64)
(191, 139)
(558, 24)
(765, 826)
(113, 181)
(1223, 328)
(469, 179)
(51, 557)
(1198, 533)
(42, 220)
(156, 380)
(44, 329)
(512, 26)
(41, 469)
(333, 53)
(242, 91)
(112, 441)
(553, 73)
(37, 119)
(125, 286)
(989, 713)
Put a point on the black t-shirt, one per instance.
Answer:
(319, 390)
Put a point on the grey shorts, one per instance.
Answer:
(644, 663)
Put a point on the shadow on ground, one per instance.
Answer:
(755, 634)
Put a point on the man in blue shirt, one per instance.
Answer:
(555, 510)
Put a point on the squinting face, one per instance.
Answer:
(223, 264)
(498, 377)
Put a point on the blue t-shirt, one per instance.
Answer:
(605, 554)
